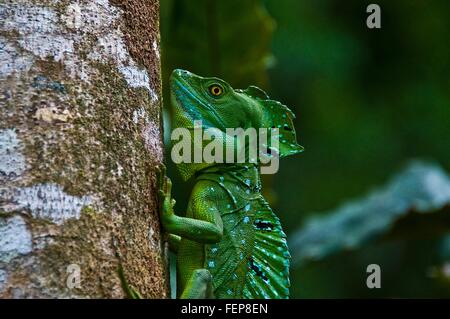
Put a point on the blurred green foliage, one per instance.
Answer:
(209, 36)
(366, 102)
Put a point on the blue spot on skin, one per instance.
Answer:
(246, 219)
(247, 207)
(247, 181)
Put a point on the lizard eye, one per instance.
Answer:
(215, 90)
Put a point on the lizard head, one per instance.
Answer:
(218, 105)
(211, 100)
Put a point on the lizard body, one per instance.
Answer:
(229, 244)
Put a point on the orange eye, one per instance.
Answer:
(215, 90)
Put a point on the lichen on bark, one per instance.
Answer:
(80, 131)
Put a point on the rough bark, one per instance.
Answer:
(80, 137)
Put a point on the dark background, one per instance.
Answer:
(367, 101)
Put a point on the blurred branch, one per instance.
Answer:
(414, 203)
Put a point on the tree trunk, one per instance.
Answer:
(80, 137)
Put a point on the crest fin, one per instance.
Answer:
(256, 92)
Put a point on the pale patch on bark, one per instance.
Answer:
(156, 49)
(152, 136)
(112, 47)
(50, 114)
(38, 35)
(45, 201)
(3, 279)
(44, 37)
(150, 132)
(88, 17)
(137, 78)
(12, 162)
(155, 244)
(15, 240)
(43, 46)
(11, 61)
(140, 114)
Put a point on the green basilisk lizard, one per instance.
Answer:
(229, 244)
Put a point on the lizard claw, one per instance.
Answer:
(166, 201)
(167, 185)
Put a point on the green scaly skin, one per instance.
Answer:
(229, 244)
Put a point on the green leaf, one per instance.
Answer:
(414, 203)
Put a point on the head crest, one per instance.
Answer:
(279, 116)
(256, 92)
